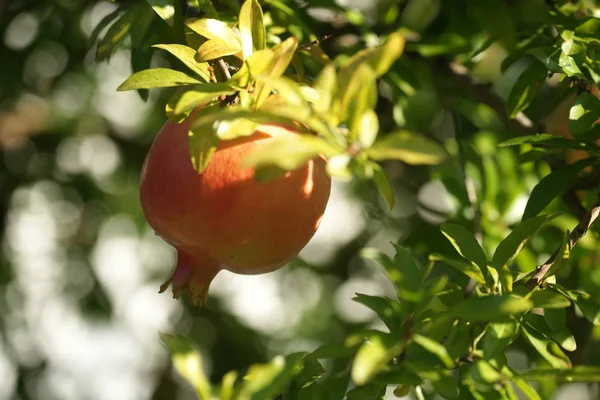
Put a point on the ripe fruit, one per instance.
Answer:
(222, 218)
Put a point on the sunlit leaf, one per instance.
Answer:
(157, 77)
(583, 114)
(115, 34)
(214, 48)
(580, 373)
(541, 344)
(214, 29)
(498, 336)
(435, 348)
(188, 363)
(252, 29)
(289, 153)
(563, 336)
(164, 9)
(187, 55)
(202, 144)
(408, 147)
(200, 95)
(372, 357)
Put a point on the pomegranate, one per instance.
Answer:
(223, 218)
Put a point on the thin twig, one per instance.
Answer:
(224, 68)
(308, 45)
(580, 230)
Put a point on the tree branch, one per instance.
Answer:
(580, 230)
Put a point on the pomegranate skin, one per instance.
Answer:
(222, 218)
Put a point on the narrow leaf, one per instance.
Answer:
(157, 77)
(252, 29)
(525, 88)
(434, 348)
(552, 185)
(384, 184)
(214, 48)
(164, 9)
(187, 55)
(465, 243)
(491, 308)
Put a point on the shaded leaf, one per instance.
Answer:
(465, 243)
(588, 306)
(387, 309)
(547, 298)
(525, 88)
(468, 268)
(498, 336)
(200, 95)
(540, 343)
(552, 185)
(491, 308)
(578, 373)
(434, 348)
(512, 245)
(563, 337)
(384, 185)
(117, 32)
(583, 114)
(548, 140)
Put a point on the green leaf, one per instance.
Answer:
(372, 357)
(201, 95)
(187, 55)
(541, 344)
(491, 308)
(468, 268)
(157, 77)
(203, 144)
(188, 363)
(563, 337)
(104, 22)
(384, 184)
(373, 391)
(252, 29)
(408, 147)
(588, 306)
(164, 9)
(556, 61)
(402, 271)
(286, 88)
(265, 381)
(552, 185)
(289, 153)
(231, 129)
(589, 28)
(274, 64)
(549, 141)
(556, 318)
(512, 245)
(380, 58)
(584, 114)
(387, 309)
(358, 96)
(367, 127)
(525, 88)
(213, 49)
(580, 373)
(214, 29)
(548, 298)
(325, 85)
(117, 32)
(465, 243)
(228, 386)
(498, 336)
(435, 348)
(443, 382)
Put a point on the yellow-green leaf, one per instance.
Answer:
(408, 147)
(252, 29)
(214, 48)
(157, 77)
(214, 29)
(187, 55)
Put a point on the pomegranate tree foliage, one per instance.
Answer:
(457, 312)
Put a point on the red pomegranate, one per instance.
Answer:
(223, 218)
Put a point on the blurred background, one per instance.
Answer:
(80, 312)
